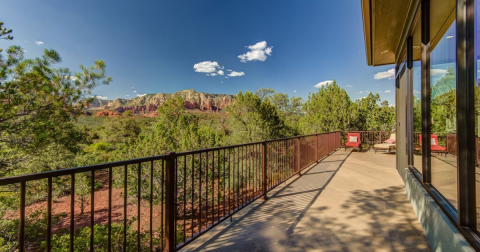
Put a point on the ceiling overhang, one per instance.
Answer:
(387, 24)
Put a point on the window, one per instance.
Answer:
(443, 116)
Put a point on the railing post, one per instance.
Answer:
(298, 156)
(170, 203)
(264, 169)
(316, 147)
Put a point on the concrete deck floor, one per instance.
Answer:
(351, 201)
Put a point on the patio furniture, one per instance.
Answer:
(435, 147)
(353, 141)
(387, 145)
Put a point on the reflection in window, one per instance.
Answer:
(417, 95)
(443, 116)
(417, 113)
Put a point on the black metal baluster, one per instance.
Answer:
(249, 178)
(184, 197)
(224, 183)
(213, 187)
(125, 176)
(139, 200)
(22, 218)
(92, 209)
(49, 215)
(109, 241)
(72, 211)
(151, 205)
(193, 193)
(228, 210)
(238, 177)
(206, 191)
(162, 203)
(175, 200)
(218, 185)
(243, 176)
(200, 193)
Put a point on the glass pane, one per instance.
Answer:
(443, 107)
(417, 95)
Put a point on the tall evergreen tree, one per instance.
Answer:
(326, 110)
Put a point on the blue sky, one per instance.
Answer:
(153, 46)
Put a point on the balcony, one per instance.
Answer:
(349, 201)
(294, 194)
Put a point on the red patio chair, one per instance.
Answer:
(353, 141)
(435, 147)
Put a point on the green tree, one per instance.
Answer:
(127, 113)
(171, 110)
(263, 93)
(327, 110)
(39, 101)
(445, 84)
(254, 117)
(290, 110)
(4, 31)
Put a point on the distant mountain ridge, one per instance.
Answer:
(150, 102)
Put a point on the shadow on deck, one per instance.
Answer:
(351, 201)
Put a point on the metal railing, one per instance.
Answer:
(184, 194)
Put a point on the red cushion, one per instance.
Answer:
(438, 148)
(352, 144)
(390, 141)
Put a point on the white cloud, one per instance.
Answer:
(387, 74)
(206, 67)
(360, 92)
(416, 92)
(39, 42)
(207, 74)
(388, 91)
(213, 74)
(140, 95)
(226, 77)
(349, 86)
(259, 52)
(101, 97)
(127, 95)
(134, 91)
(438, 71)
(320, 84)
(24, 50)
(294, 91)
(132, 87)
(221, 81)
(236, 74)
(229, 70)
(220, 72)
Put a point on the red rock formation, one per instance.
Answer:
(191, 105)
(207, 106)
(152, 107)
